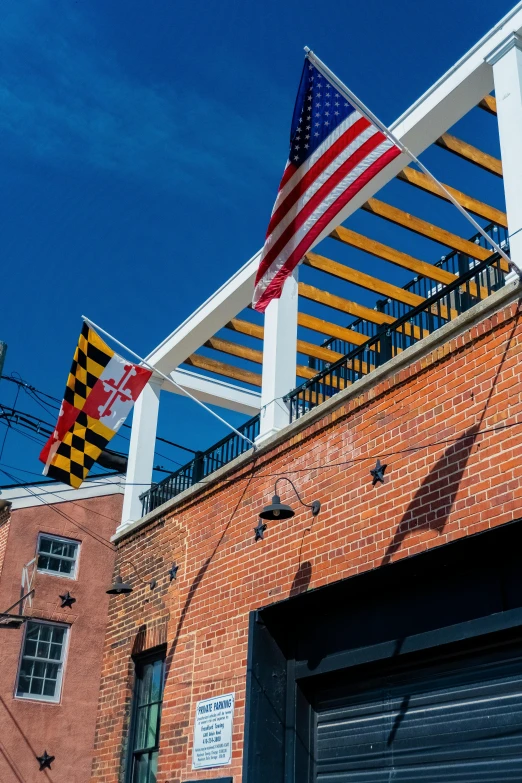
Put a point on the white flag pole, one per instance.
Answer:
(327, 73)
(167, 378)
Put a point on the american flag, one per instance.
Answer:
(334, 151)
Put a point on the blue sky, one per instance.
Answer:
(142, 145)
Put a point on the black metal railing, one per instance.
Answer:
(454, 262)
(203, 464)
(410, 324)
(445, 304)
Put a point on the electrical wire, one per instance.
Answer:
(328, 465)
(33, 394)
(95, 536)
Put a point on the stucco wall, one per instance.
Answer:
(66, 729)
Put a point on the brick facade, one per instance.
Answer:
(449, 427)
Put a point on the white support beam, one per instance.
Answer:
(213, 391)
(279, 358)
(141, 450)
(506, 61)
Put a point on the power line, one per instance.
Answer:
(32, 390)
(95, 536)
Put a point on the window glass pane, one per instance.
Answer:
(144, 741)
(66, 566)
(141, 728)
(146, 680)
(57, 634)
(57, 556)
(153, 725)
(141, 769)
(157, 681)
(153, 768)
(49, 688)
(41, 660)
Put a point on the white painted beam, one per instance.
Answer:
(216, 392)
(279, 359)
(506, 61)
(141, 450)
(208, 319)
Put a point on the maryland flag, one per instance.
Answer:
(101, 390)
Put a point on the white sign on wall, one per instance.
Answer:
(213, 732)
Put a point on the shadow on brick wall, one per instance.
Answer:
(433, 501)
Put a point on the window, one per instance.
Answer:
(148, 695)
(57, 555)
(41, 665)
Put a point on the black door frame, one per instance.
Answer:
(460, 591)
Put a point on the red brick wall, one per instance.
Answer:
(450, 429)
(5, 519)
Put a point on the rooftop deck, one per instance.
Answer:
(305, 347)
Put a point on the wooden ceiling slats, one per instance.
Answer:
(489, 104)
(361, 279)
(219, 368)
(422, 181)
(467, 151)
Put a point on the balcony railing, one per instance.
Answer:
(454, 262)
(203, 464)
(445, 304)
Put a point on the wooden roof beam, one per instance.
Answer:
(425, 229)
(468, 152)
(361, 279)
(489, 104)
(330, 329)
(397, 257)
(309, 349)
(252, 355)
(352, 308)
(423, 182)
(219, 368)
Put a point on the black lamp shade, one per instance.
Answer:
(277, 510)
(119, 587)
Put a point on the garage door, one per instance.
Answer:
(457, 721)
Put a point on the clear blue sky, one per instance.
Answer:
(142, 145)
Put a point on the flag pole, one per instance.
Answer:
(167, 378)
(328, 74)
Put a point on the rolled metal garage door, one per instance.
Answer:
(451, 720)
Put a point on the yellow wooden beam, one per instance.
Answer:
(330, 329)
(309, 349)
(219, 368)
(397, 257)
(422, 227)
(422, 181)
(344, 305)
(489, 104)
(362, 279)
(252, 355)
(471, 153)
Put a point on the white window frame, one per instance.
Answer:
(61, 669)
(63, 540)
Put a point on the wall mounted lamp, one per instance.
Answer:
(119, 586)
(278, 510)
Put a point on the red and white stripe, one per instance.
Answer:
(310, 197)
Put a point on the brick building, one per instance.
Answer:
(380, 638)
(50, 673)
